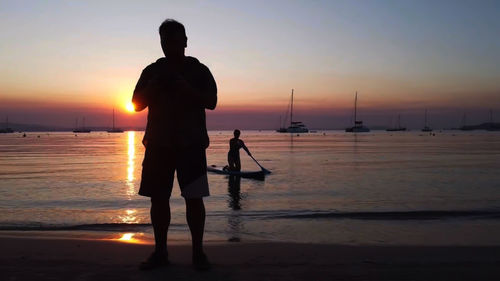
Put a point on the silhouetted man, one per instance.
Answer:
(233, 156)
(177, 89)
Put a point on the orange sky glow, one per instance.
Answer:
(81, 60)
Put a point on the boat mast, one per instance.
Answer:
(113, 118)
(355, 107)
(291, 111)
(425, 119)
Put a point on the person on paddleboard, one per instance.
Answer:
(233, 156)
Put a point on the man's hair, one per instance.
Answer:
(170, 27)
(236, 133)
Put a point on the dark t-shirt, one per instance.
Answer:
(175, 119)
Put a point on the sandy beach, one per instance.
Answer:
(28, 258)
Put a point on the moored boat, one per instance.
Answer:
(426, 128)
(81, 129)
(7, 129)
(114, 130)
(398, 128)
(295, 126)
(358, 124)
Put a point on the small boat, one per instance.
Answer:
(7, 130)
(114, 130)
(82, 129)
(244, 174)
(395, 129)
(464, 126)
(358, 125)
(398, 128)
(295, 126)
(488, 126)
(492, 126)
(426, 128)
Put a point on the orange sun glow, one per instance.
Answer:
(130, 238)
(130, 107)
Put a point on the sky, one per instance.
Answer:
(63, 60)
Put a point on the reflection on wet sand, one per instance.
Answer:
(131, 238)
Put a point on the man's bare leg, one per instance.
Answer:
(160, 218)
(195, 215)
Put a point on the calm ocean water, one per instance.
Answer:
(328, 187)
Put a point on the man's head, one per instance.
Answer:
(236, 133)
(173, 38)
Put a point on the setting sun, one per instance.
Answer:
(130, 107)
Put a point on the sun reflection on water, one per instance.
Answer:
(131, 164)
(129, 217)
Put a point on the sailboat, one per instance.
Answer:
(295, 126)
(492, 126)
(7, 130)
(114, 130)
(488, 126)
(358, 124)
(426, 128)
(398, 128)
(464, 126)
(81, 129)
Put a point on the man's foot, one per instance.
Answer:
(200, 262)
(155, 260)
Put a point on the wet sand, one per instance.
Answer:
(25, 258)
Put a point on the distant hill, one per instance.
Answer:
(32, 127)
(489, 126)
(44, 128)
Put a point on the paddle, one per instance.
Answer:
(263, 169)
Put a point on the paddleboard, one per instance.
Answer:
(243, 174)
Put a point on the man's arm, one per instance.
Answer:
(242, 144)
(141, 93)
(209, 97)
